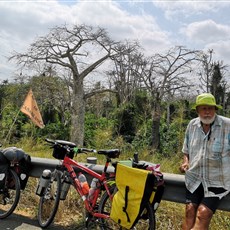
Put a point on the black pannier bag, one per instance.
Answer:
(4, 167)
(24, 168)
(21, 162)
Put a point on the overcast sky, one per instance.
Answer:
(158, 25)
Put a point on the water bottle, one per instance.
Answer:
(65, 188)
(84, 183)
(93, 187)
(43, 183)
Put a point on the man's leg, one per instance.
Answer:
(203, 218)
(190, 216)
(206, 209)
(192, 202)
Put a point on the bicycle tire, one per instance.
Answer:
(104, 207)
(145, 221)
(49, 202)
(10, 197)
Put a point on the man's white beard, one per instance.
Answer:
(207, 121)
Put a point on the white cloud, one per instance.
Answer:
(185, 9)
(221, 50)
(122, 24)
(207, 31)
(194, 24)
(22, 22)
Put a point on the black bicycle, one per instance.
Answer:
(13, 179)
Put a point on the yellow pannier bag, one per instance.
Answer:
(135, 187)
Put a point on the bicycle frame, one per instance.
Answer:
(53, 186)
(69, 164)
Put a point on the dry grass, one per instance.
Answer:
(71, 212)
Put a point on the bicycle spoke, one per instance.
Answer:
(49, 202)
(9, 198)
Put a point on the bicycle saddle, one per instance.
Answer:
(111, 153)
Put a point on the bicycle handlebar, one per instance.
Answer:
(69, 146)
(72, 147)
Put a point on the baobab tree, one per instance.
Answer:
(78, 50)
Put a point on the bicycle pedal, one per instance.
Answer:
(7, 194)
(2, 199)
(88, 219)
(95, 208)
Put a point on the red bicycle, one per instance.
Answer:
(53, 186)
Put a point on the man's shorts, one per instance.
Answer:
(198, 197)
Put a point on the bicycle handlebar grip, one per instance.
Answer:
(82, 150)
(49, 140)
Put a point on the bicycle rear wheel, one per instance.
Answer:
(9, 198)
(145, 221)
(105, 208)
(49, 202)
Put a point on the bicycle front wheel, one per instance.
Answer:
(9, 198)
(49, 202)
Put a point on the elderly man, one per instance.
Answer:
(206, 163)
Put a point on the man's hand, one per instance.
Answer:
(184, 167)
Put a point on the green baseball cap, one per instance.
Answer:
(206, 99)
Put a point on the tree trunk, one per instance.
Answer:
(78, 115)
(156, 116)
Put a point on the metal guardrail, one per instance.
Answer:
(174, 183)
